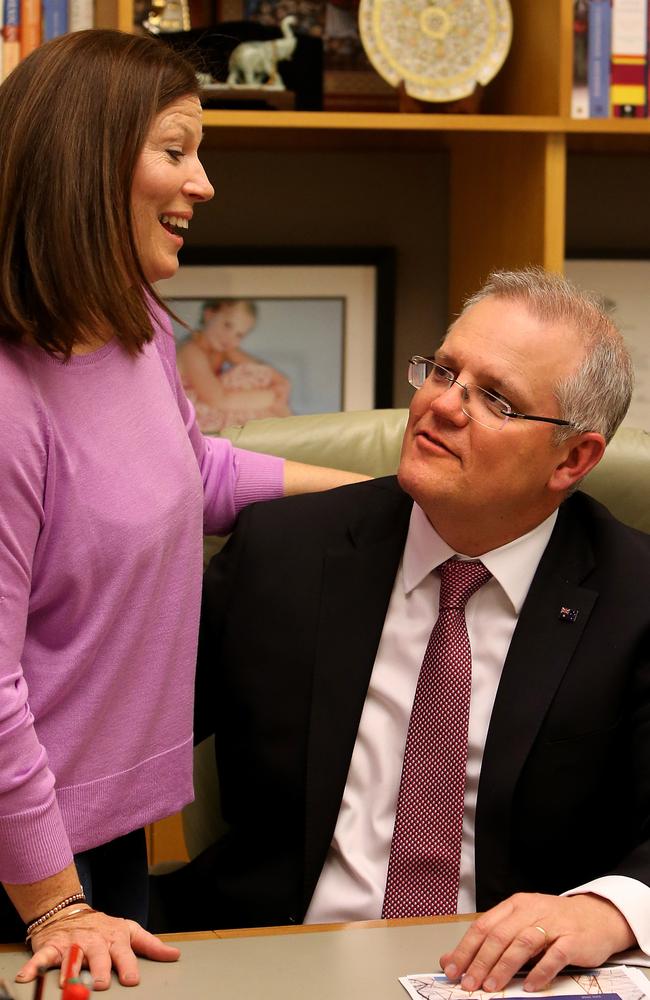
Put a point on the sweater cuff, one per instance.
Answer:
(35, 844)
(260, 477)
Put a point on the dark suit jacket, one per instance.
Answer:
(293, 613)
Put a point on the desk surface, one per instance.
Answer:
(347, 962)
(335, 962)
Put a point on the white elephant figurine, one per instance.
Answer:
(255, 64)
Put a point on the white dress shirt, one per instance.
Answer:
(352, 883)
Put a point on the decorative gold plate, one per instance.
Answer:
(440, 48)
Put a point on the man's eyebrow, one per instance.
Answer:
(485, 380)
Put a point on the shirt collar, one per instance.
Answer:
(512, 565)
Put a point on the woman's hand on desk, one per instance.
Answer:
(557, 931)
(106, 942)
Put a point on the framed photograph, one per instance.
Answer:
(281, 332)
(624, 286)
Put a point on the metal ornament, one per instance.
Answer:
(440, 49)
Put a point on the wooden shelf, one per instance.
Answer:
(358, 131)
(352, 121)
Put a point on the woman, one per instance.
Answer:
(105, 486)
(226, 385)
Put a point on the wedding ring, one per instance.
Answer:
(542, 931)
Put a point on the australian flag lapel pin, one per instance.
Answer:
(568, 614)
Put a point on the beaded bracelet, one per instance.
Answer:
(61, 915)
(76, 897)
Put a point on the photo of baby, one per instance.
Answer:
(227, 385)
(246, 359)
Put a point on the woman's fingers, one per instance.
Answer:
(99, 941)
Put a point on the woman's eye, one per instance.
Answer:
(175, 154)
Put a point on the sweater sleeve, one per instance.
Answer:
(33, 841)
(232, 477)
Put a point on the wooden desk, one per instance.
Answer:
(359, 961)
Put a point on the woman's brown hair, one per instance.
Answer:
(74, 116)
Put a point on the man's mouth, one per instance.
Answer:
(174, 224)
(435, 440)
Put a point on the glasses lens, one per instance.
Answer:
(485, 408)
(419, 369)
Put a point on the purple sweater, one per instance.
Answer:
(106, 486)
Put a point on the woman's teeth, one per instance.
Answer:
(173, 222)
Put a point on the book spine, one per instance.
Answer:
(30, 26)
(580, 89)
(55, 18)
(81, 15)
(2, 41)
(629, 58)
(598, 52)
(11, 36)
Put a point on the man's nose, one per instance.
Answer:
(448, 404)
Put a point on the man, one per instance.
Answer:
(319, 626)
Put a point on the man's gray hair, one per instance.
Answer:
(596, 396)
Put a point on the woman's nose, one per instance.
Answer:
(198, 186)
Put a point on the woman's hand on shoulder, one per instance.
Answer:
(105, 942)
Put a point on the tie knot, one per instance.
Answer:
(460, 579)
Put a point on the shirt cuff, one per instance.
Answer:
(632, 898)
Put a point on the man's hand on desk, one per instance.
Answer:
(106, 942)
(556, 931)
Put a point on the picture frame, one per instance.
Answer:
(317, 323)
(623, 284)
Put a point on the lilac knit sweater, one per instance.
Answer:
(105, 487)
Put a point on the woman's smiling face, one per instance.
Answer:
(169, 180)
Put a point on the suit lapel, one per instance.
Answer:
(549, 629)
(358, 578)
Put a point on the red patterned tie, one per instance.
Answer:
(424, 865)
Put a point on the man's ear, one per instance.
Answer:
(580, 454)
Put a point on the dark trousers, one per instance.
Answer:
(115, 880)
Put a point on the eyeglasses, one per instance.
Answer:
(478, 404)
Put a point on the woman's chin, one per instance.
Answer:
(161, 270)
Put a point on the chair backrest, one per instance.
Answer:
(369, 441)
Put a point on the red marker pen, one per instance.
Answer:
(75, 990)
(73, 955)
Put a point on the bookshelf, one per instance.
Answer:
(516, 152)
(507, 167)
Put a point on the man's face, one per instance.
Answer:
(456, 468)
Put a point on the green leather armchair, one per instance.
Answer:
(369, 441)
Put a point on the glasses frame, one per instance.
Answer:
(508, 411)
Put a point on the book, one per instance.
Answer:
(580, 89)
(30, 26)
(2, 44)
(10, 36)
(628, 86)
(55, 18)
(81, 14)
(598, 57)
